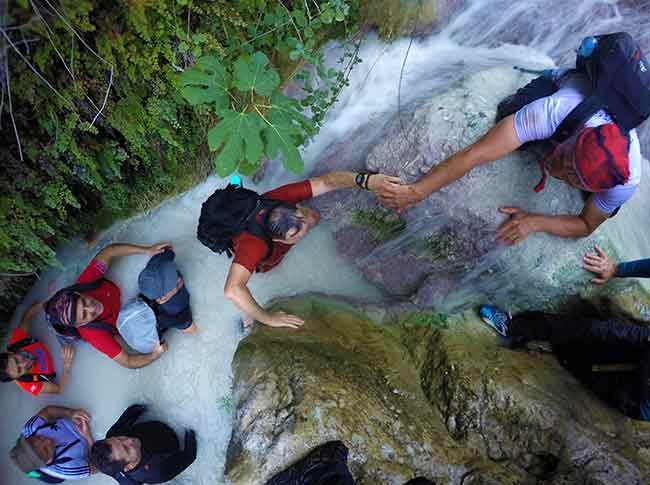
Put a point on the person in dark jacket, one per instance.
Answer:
(145, 452)
(582, 341)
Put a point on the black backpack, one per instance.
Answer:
(620, 79)
(229, 212)
(326, 464)
(26, 342)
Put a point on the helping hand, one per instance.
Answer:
(159, 248)
(392, 193)
(282, 319)
(517, 228)
(599, 264)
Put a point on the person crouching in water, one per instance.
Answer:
(162, 287)
(89, 309)
(145, 452)
(284, 226)
(28, 363)
(54, 445)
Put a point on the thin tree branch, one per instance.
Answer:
(11, 109)
(110, 83)
(34, 70)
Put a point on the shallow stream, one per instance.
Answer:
(190, 385)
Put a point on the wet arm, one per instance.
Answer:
(29, 315)
(633, 269)
(136, 361)
(111, 251)
(495, 144)
(580, 225)
(52, 413)
(236, 290)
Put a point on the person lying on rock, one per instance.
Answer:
(145, 452)
(605, 269)
(89, 309)
(597, 157)
(582, 341)
(28, 363)
(278, 226)
(54, 445)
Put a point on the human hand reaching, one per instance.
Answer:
(393, 194)
(282, 319)
(159, 248)
(517, 228)
(599, 264)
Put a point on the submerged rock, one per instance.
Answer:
(412, 398)
(445, 254)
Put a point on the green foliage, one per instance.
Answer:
(383, 224)
(255, 117)
(185, 72)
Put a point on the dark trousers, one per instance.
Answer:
(581, 342)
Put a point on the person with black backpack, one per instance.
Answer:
(88, 310)
(259, 231)
(27, 361)
(588, 113)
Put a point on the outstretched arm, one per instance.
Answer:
(606, 269)
(137, 361)
(523, 223)
(111, 251)
(340, 180)
(67, 355)
(29, 315)
(495, 144)
(236, 290)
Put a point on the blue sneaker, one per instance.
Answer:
(495, 318)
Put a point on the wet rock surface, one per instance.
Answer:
(410, 398)
(447, 252)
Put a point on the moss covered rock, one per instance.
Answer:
(414, 398)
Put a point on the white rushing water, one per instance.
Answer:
(190, 385)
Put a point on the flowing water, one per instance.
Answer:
(190, 385)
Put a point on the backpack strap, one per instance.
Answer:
(98, 325)
(36, 377)
(19, 344)
(578, 117)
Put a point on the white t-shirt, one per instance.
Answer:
(539, 120)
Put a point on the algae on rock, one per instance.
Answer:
(414, 399)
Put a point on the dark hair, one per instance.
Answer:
(282, 219)
(100, 457)
(4, 364)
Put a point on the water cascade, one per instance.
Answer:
(190, 385)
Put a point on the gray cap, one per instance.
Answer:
(25, 457)
(159, 276)
(136, 323)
